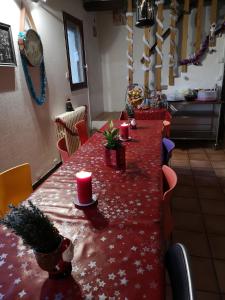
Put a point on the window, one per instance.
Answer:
(75, 52)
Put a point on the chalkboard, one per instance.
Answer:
(7, 53)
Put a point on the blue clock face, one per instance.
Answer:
(33, 48)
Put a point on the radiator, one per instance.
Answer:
(64, 127)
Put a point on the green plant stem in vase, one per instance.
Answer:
(114, 149)
(112, 137)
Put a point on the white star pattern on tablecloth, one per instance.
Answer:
(4, 255)
(83, 273)
(149, 267)
(2, 262)
(121, 273)
(1, 296)
(89, 296)
(20, 254)
(86, 287)
(92, 264)
(137, 263)
(123, 281)
(17, 281)
(140, 271)
(116, 293)
(24, 265)
(101, 283)
(125, 258)
(103, 239)
(133, 248)
(22, 293)
(111, 247)
(119, 237)
(102, 297)
(112, 260)
(111, 276)
(75, 269)
(10, 267)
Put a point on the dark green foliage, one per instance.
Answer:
(35, 229)
(112, 137)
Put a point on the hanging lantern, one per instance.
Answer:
(145, 13)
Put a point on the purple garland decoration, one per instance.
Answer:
(195, 59)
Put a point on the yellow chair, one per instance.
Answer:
(15, 186)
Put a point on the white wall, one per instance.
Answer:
(27, 130)
(113, 47)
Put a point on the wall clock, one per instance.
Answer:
(33, 49)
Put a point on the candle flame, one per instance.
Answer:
(83, 174)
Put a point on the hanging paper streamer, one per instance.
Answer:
(199, 17)
(212, 39)
(159, 43)
(146, 60)
(185, 33)
(129, 38)
(172, 54)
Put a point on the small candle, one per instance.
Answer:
(84, 187)
(124, 131)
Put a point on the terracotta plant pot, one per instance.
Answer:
(58, 262)
(116, 157)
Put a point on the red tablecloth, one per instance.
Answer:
(117, 244)
(149, 114)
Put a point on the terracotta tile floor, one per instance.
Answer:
(199, 215)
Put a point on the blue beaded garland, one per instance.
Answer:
(41, 99)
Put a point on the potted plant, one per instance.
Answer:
(53, 252)
(114, 149)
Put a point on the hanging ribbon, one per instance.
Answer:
(129, 38)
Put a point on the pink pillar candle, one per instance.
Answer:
(124, 131)
(84, 187)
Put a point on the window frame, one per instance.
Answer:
(79, 24)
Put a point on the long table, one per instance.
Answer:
(118, 244)
(148, 114)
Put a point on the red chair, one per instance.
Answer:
(166, 128)
(166, 124)
(81, 129)
(170, 182)
(61, 146)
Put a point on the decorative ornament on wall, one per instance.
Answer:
(196, 58)
(31, 51)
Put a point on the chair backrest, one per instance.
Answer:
(170, 182)
(166, 128)
(168, 147)
(170, 178)
(178, 265)
(61, 145)
(81, 128)
(15, 186)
